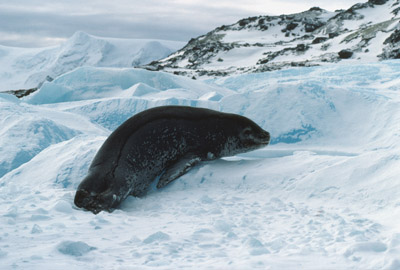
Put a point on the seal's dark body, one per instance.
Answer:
(168, 139)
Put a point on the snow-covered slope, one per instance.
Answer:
(365, 32)
(324, 195)
(24, 68)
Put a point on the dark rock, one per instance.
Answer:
(291, 26)
(272, 55)
(246, 21)
(153, 66)
(396, 11)
(393, 38)
(243, 22)
(377, 2)
(312, 26)
(360, 6)
(319, 40)
(222, 28)
(395, 54)
(301, 47)
(325, 46)
(345, 54)
(390, 53)
(332, 35)
(21, 92)
(316, 9)
(192, 40)
(262, 61)
(351, 13)
(298, 64)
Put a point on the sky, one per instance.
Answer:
(38, 23)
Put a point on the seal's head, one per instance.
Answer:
(254, 137)
(95, 195)
(243, 136)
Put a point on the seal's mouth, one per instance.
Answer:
(263, 138)
(257, 141)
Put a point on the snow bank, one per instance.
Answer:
(325, 194)
(27, 130)
(341, 104)
(109, 96)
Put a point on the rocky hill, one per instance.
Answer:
(365, 32)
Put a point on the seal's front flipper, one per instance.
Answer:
(178, 169)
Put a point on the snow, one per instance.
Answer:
(237, 58)
(90, 83)
(324, 195)
(23, 68)
(74, 248)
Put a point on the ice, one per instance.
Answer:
(75, 249)
(256, 247)
(36, 229)
(8, 97)
(324, 194)
(366, 247)
(140, 89)
(156, 237)
(64, 207)
(93, 83)
(24, 68)
(27, 130)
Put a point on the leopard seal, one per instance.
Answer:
(163, 142)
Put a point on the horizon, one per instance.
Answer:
(31, 24)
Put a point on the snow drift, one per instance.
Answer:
(24, 68)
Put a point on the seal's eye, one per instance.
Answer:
(247, 132)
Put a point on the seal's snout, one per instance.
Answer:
(91, 201)
(264, 137)
(82, 197)
(267, 137)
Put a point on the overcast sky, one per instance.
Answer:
(37, 23)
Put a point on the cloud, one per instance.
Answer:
(35, 23)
